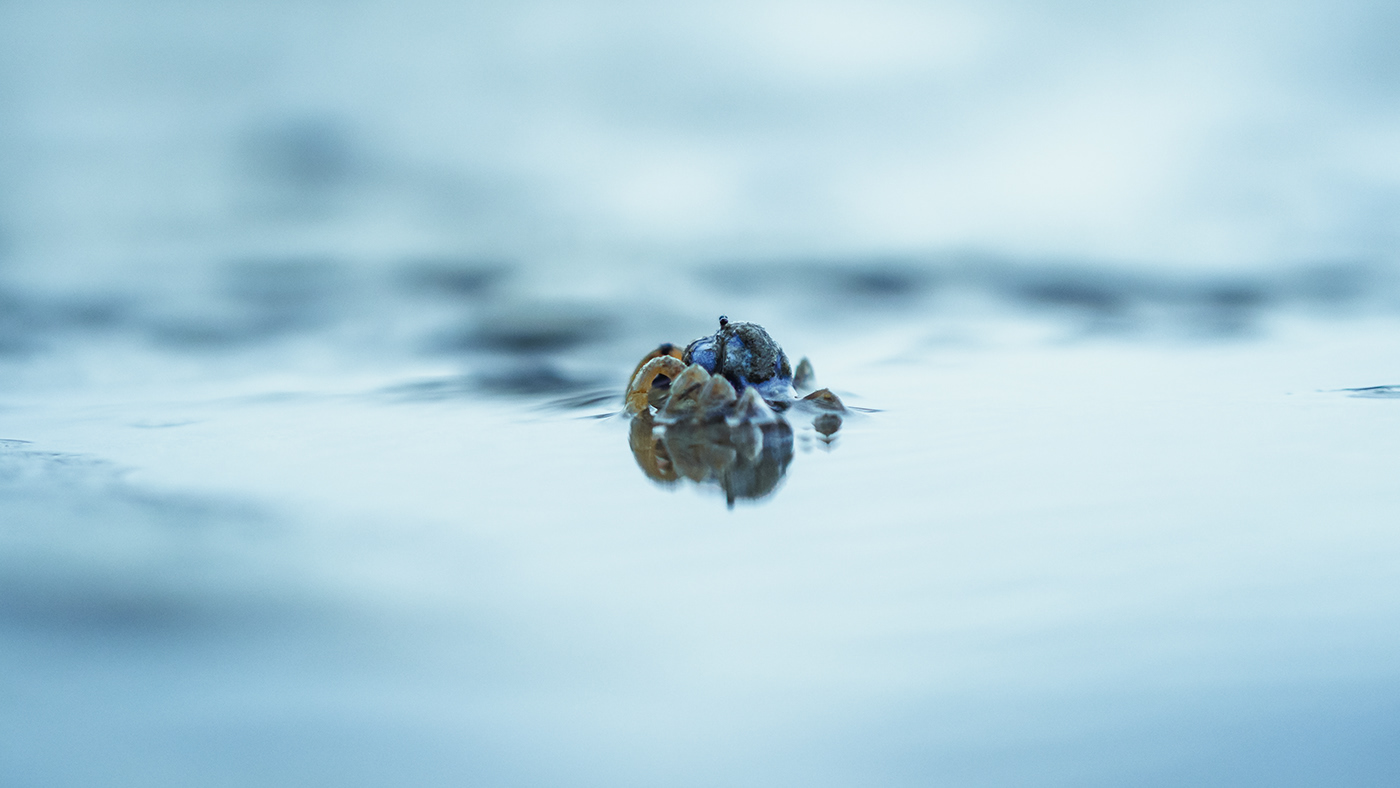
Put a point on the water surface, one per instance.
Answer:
(315, 318)
(1046, 556)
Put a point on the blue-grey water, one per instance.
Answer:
(315, 320)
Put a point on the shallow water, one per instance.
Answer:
(315, 318)
(1051, 553)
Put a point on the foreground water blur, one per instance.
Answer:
(1067, 548)
(315, 320)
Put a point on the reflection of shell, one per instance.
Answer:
(650, 450)
(760, 476)
(747, 440)
(701, 454)
(747, 461)
(827, 424)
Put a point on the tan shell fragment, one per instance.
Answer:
(823, 399)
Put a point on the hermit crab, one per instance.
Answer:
(712, 411)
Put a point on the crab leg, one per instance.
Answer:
(636, 396)
(664, 349)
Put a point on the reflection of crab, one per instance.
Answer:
(710, 413)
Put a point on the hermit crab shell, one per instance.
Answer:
(746, 356)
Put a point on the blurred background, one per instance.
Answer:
(301, 305)
(588, 136)
(221, 173)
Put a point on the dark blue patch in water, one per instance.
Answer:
(1376, 392)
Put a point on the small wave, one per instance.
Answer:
(1375, 392)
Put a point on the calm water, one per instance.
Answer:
(1055, 553)
(315, 318)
